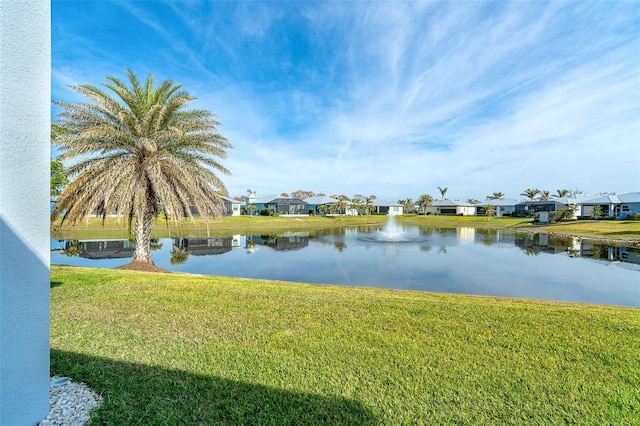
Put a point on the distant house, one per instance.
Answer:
(530, 208)
(503, 207)
(448, 207)
(231, 206)
(279, 204)
(387, 207)
(618, 206)
(316, 203)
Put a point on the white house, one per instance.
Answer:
(448, 207)
(387, 207)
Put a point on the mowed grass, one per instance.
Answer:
(168, 349)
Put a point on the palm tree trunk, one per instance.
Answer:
(142, 234)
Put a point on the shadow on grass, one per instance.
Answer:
(142, 394)
(53, 284)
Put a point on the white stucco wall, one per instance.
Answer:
(25, 99)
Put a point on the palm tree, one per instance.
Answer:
(369, 203)
(495, 196)
(408, 204)
(443, 191)
(531, 193)
(489, 211)
(425, 201)
(545, 195)
(562, 193)
(138, 149)
(339, 207)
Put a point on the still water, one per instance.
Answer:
(460, 260)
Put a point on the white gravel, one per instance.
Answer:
(70, 403)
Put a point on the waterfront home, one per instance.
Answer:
(618, 206)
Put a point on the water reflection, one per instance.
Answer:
(529, 243)
(458, 260)
(99, 249)
(286, 241)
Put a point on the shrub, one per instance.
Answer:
(265, 212)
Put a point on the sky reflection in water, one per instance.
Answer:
(460, 260)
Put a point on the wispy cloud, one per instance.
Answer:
(393, 99)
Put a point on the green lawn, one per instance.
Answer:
(183, 349)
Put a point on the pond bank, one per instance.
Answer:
(614, 232)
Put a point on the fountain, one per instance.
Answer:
(391, 232)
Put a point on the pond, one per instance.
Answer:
(455, 260)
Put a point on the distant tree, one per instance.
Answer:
(561, 193)
(596, 212)
(531, 193)
(424, 201)
(574, 192)
(321, 194)
(369, 203)
(443, 191)
(251, 208)
(284, 194)
(301, 194)
(357, 203)
(473, 201)
(325, 208)
(489, 211)
(545, 195)
(408, 204)
(339, 207)
(58, 177)
(495, 196)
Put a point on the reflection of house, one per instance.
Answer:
(205, 246)
(279, 204)
(618, 206)
(317, 203)
(287, 241)
(609, 253)
(503, 207)
(102, 249)
(530, 208)
(537, 243)
(448, 207)
(387, 207)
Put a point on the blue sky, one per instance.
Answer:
(393, 99)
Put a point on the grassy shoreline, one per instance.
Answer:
(186, 349)
(609, 231)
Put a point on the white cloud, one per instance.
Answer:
(396, 99)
